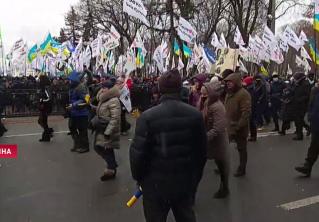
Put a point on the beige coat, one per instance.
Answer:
(109, 109)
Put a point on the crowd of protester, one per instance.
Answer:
(183, 123)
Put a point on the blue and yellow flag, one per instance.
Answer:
(313, 51)
(316, 17)
(187, 51)
(33, 53)
(140, 57)
(49, 45)
(177, 51)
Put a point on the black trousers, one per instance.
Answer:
(79, 131)
(253, 127)
(125, 126)
(43, 120)
(313, 150)
(299, 122)
(242, 150)
(156, 209)
(108, 155)
(223, 168)
(274, 113)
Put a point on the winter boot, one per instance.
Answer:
(45, 137)
(304, 169)
(108, 175)
(223, 192)
(241, 171)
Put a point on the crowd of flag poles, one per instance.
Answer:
(58, 58)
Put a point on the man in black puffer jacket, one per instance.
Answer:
(168, 154)
(300, 101)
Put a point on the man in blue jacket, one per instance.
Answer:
(78, 109)
(313, 150)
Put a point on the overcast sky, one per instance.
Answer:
(31, 19)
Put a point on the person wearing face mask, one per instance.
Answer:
(276, 93)
(311, 79)
(238, 111)
(78, 109)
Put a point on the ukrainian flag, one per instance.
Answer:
(316, 22)
(32, 53)
(46, 45)
(176, 48)
(316, 17)
(187, 51)
(49, 45)
(139, 57)
(314, 52)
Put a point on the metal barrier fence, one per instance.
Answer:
(24, 102)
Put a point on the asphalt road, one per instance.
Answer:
(48, 183)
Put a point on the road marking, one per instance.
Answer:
(33, 134)
(300, 203)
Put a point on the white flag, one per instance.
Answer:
(115, 33)
(238, 39)
(269, 37)
(197, 54)
(299, 62)
(303, 38)
(165, 49)
(223, 42)
(158, 58)
(215, 42)
(96, 46)
(136, 9)
(185, 31)
(78, 48)
(180, 64)
(138, 42)
(283, 45)
(304, 53)
(126, 98)
(292, 39)
(87, 56)
(276, 54)
(111, 42)
(242, 67)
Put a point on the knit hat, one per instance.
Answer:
(248, 80)
(299, 74)
(170, 82)
(109, 83)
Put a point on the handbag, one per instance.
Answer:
(99, 124)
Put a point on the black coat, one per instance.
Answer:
(314, 113)
(276, 93)
(168, 152)
(300, 98)
(45, 102)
